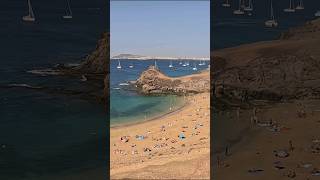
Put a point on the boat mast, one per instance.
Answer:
(69, 8)
(30, 9)
(272, 15)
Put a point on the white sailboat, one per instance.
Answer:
(30, 17)
(187, 63)
(249, 7)
(300, 5)
(184, 64)
(317, 14)
(239, 11)
(226, 4)
(194, 67)
(119, 65)
(291, 8)
(68, 11)
(272, 21)
(180, 62)
(170, 65)
(131, 66)
(155, 64)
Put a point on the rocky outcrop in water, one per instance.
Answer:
(153, 81)
(283, 69)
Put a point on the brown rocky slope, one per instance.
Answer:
(288, 68)
(153, 81)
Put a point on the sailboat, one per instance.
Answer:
(170, 65)
(187, 63)
(317, 14)
(249, 7)
(180, 62)
(226, 4)
(184, 64)
(239, 11)
(300, 5)
(119, 65)
(291, 8)
(68, 12)
(195, 67)
(271, 22)
(155, 64)
(131, 66)
(30, 17)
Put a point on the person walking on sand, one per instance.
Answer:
(238, 113)
(291, 148)
(226, 153)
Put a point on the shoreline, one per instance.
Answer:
(155, 118)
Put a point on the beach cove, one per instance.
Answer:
(174, 145)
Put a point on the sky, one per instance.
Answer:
(160, 28)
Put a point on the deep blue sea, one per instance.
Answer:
(48, 131)
(127, 106)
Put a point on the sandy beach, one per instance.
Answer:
(289, 148)
(175, 146)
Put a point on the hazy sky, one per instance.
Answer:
(160, 28)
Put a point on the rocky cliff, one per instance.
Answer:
(288, 68)
(153, 81)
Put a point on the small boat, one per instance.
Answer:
(291, 8)
(130, 66)
(300, 5)
(195, 67)
(272, 21)
(180, 62)
(226, 4)
(119, 65)
(187, 63)
(239, 11)
(68, 11)
(30, 17)
(249, 7)
(184, 64)
(170, 66)
(317, 14)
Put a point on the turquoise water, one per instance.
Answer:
(127, 106)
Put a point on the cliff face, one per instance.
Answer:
(152, 81)
(97, 63)
(288, 68)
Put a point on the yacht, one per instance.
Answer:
(249, 7)
(68, 12)
(30, 17)
(300, 5)
(272, 21)
(239, 11)
(119, 65)
(291, 8)
(226, 4)
(170, 65)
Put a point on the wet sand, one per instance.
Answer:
(175, 146)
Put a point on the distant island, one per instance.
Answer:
(141, 57)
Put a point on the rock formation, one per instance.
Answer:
(152, 81)
(288, 68)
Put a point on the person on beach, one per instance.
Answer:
(226, 153)
(238, 113)
(291, 148)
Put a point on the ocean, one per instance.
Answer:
(50, 130)
(127, 105)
